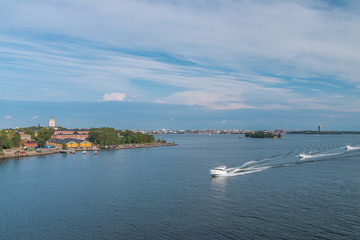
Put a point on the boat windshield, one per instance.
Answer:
(223, 167)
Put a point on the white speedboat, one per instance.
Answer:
(303, 155)
(84, 152)
(348, 147)
(218, 171)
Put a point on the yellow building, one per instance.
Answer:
(55, 142)
(72, 144)
(85, 144)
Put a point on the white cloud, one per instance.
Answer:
(302, 35)
(115, 96)
(223, 121)
(35, 117)
(7, 117)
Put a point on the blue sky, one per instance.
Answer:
(180, 64)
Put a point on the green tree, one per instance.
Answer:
(4, 141)
(45, 134)
(41, 143)
(30, 132)
(134, 138)
(64, 146)
(109, 136)
(15, 140)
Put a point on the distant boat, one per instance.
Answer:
(84, 152)
(218, 171)
(95, 152)
(303, 155)
(310, 155)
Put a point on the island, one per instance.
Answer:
(262, 134)
(35, 141)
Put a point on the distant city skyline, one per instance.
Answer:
(181, 64)
(122, 115)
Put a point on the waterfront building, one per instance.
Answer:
(70, 143)
(55, 142)
(85, 144)
(52, 122)
(31, 144)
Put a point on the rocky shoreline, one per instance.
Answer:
(11, 153)
(131, 146)
(8, 155)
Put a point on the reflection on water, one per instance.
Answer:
(218, 181)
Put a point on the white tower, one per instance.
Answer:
(52, 122)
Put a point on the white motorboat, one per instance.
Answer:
(84, 152)
(348, 147)
(303, 155)
(218, 171)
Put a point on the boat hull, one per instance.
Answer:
(348, 147)
(303, 156)
(217, 173)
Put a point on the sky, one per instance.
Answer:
(180, 64)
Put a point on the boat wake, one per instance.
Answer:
(264, 164)
(349, 148)
(303, 156)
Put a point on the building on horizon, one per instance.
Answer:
(73, 136)
(71, 131)
(52, 122)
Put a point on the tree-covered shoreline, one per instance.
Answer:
(9, 140)
(262, 134)
(323, 132)
(106, 136)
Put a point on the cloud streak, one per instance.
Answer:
(224, 55)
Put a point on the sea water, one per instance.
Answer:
(166, 193)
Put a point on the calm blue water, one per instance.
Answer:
(166, 193)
